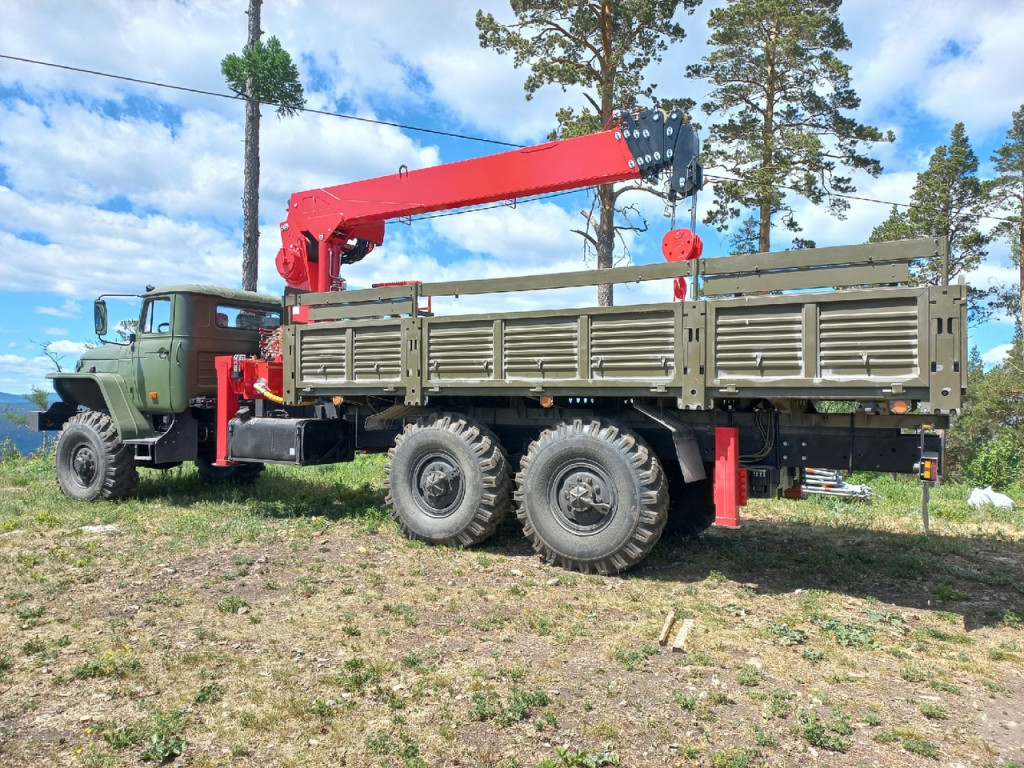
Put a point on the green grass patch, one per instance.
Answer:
(910, 741)
(634, 659)
(518, 704)
(827, 737)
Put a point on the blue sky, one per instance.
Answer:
(106, 186)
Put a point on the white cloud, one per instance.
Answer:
(996, 355)
(168, 42)
(111, 252)
(993, 275)
(316, 151)
(530, 236)
(957, 61)
(67, 347)
(68, 309)
(19, 374)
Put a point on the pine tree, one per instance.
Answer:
(896, 227)
(263, 73)
(782, 95)
(1006, 196)
(985, 444)
(949, 201)
(602, 47)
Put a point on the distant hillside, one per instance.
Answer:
(17, 406)
(6, 399)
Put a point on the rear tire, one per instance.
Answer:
(448, 481)
(92, 463)
(592, 497)
(691, 505)
(239, 474)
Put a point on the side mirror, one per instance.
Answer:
(99, 316)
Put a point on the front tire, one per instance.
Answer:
(92, 463)
(592, 497)
(448, 481)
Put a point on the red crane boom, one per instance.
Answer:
(338, 225)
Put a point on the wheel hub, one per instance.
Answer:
(583, 498)
(584, 493)
(440, 484)
(437, 480)
(84, 464)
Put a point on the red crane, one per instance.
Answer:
(332, 226)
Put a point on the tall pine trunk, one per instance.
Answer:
(1020, 263)
(251, 190)
(764, 239)
(605, 242)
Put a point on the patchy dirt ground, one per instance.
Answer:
(316, 642)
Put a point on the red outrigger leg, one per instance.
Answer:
(227, 407)
(730, 479)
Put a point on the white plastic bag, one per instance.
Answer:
(981, 496)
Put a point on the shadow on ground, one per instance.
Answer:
(979, 577)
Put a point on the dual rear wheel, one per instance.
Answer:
(591, 496)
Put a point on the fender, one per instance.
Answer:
(97, 391)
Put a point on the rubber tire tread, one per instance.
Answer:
(117, 475)
(645, 472)
(691, 506)
(493, 497)
(238, 474)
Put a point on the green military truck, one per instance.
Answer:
(599, 426)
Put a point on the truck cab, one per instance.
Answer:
(166, 363)
(153, 393)
(181, 329)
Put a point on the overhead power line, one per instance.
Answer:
(239, 97)
(845, 196)
(418, 129)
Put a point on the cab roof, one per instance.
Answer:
(229, 294)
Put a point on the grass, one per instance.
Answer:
(510, 709)
(290, 623)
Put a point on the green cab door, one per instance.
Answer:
(154, 352)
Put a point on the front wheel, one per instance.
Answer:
(592, 497)
(448, 481)
(92, 463)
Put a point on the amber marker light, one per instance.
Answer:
(899, 407)
(153, 396)
(929, 469)
(338, 400)
(547, 401)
